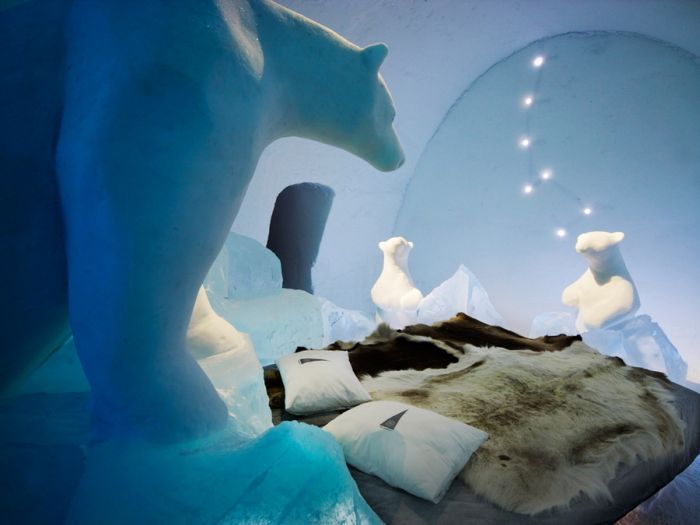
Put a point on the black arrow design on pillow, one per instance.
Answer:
(390, 424)
(305, 360)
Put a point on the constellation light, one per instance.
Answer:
(524, 142)
(561, 233)
(527, 189)
(538, 61)
(527, 101)
(546, 174)
(587, 211)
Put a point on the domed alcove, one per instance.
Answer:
(601, 134)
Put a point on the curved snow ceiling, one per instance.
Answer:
(616, 118)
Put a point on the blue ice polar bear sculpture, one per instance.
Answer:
(125, 151)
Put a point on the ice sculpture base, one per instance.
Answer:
(294, 473)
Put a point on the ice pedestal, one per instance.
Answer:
(238, 378)
(294, 473)
(553, 323)
(640, 342)
(340, 324)
(460, 293)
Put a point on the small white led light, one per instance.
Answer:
(587, 211)
(527, 101)
(561, 233)
(524, 142)
(538, 61)
(546, 174)
(528, 189)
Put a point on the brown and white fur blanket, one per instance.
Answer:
(561, 417)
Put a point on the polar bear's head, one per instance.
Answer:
(592, 243)
(330, 89)
(370, 113)
(397, 248)
(349, 105)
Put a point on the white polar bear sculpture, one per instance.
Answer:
(605, 294)
(394, 293)
(124, 160)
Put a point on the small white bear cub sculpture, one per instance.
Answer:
(394, 293)
(605, 293)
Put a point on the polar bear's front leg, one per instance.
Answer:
(149, 189)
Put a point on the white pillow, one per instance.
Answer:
(319, 381)
(411, 448)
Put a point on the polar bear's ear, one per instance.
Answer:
(374, 55)
(382, 245)
(618, 236)
(410, 244)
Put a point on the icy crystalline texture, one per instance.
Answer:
(605, 293)
(228, 358)
(640, 342)
(158, 113)
(244, 269)
(394, 293)
(278, 323)
(460, 293)
(553, 323)
(276, 319)
(294, 473)
(340, 324)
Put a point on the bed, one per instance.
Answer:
(413, 351)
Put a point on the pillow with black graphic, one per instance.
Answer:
(318, 381)
(410, 448)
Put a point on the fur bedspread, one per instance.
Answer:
(561, 417)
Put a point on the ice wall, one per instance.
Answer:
(608, 142)
(437, 49)
(459, 40)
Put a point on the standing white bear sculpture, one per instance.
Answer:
(394, 293)
(605, 293)
(124, 160)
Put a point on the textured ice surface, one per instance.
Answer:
(277, 323)
(553, 323)
(640, 342)
(605, 293)
(228, 358)
(460, 293)
(340, 324)
(238, 378)
(292, 474)
(244, 269)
